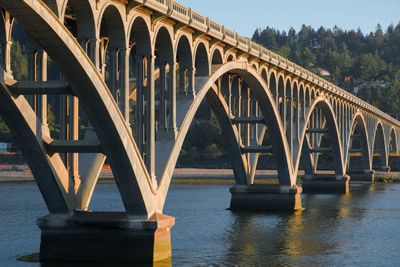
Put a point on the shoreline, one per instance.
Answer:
(195, 176)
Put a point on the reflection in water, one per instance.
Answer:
(167, 263)
(359, 228)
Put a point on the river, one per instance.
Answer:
(358, 229)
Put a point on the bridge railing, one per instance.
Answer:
(186, 15)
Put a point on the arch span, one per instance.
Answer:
(379, 151)
(359, 127)
(333, 131)
(266, 102)
(116, 140)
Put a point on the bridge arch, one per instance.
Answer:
(379, 152)
(201, 59)
(85, 20)
(272, 83)
(359, 134)
(334, 137)
(216, 56)
(265, 98)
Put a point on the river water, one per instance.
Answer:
(358, 229)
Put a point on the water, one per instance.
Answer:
(358, 229)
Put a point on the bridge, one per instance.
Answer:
(139, 70)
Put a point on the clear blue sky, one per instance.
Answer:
(244, 16)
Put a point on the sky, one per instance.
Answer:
(246, 16)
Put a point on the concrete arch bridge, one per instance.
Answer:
(139, 70)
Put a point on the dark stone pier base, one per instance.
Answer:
(326, 184)
(362, 175)
(105, 237)
(265, 198)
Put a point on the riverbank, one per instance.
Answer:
(195, 176)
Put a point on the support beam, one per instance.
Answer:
(73, 146)
(248, 120)
(318, 130)
(321, 150)
(265, 198)
(256, 149)
(41, 88)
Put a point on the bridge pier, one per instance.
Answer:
(105, 237)
(362, 175)
(265, 198)
(325, 183)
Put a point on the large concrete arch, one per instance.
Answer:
(379, 142)
(334, 135)
(116, 140)
(265, 98)
(359, 123)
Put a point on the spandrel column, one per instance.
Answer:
(172, 96)
(139, 102)
(150, 122)
(124, 83)
(162, 108)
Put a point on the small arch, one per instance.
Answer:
(140, 43)
(216, 57)
(230, 57)
(201, 60)
(272, 86)
(264, 75)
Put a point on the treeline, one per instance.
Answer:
(367, 65)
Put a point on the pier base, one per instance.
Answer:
(265, 198)
(326, 184)
(362, 175)
(105, 237)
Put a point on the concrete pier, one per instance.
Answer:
(362, 175)
(265, 198)
(105, 237)
(326, 184)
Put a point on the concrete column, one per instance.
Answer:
(239, 106)
(162, 108)
(124, 83)
(150, 123)
(172, 96)
(42, 101)
(290, 123)
(94, 52)
(114, 73)
(230, 82)
(139, 102)
(102, 56)
(7, 59)
(248, 114)
(192, 79)
(32, 74)
(74, 135)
